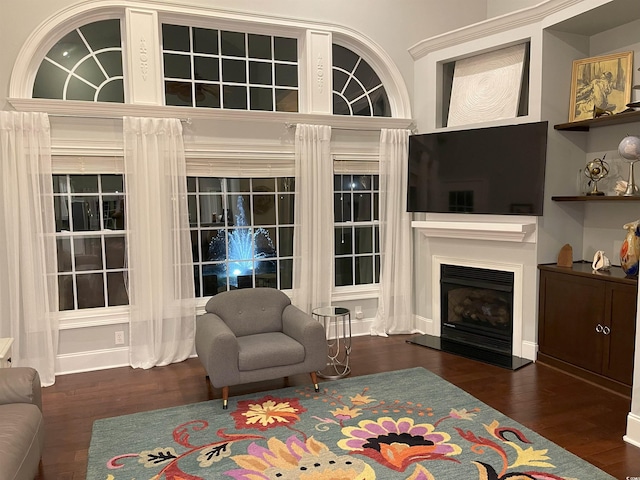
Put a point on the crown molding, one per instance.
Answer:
(492, 26)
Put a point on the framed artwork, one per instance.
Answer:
(600, 84)
(487, 86)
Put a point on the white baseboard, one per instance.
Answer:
(633, 430)
(424, 325)
(529, 350)
(92, 360)
(119, 357)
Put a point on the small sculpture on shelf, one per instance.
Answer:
(596, 170)
(630, 249)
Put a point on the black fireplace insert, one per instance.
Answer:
(476, 307)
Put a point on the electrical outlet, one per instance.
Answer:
(358, 312)
(119, 337)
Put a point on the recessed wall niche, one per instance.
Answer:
(448, 74)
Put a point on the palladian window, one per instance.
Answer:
(86, 64)
(357, 89)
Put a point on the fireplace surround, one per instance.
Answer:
(477, 311)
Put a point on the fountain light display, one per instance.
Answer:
(241, 246)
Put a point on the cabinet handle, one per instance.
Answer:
(606, 330)
(599, 328)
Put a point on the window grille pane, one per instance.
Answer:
(343, 241)
(261, 99)
(90, 289)
(285, 241)
(344, 58)
(260, 47)
(285, 49)
(207, 95)
(234, 71)
(50, 81)
(177, 66)
(340, 106)
(103, 34)
(112, 92)
(234, 97)
(286, 75)
(64, 254)
(264, 209)
(78, 90)
(61, 209)
(206, 68)
(178, 94)
(205, 41)
(65, 292)
(260, 73)
(286, 100)
(364, 270)
(286, 274)
(286, 209)
(115, 250)
(175, 37)
(364, 240)
(232, 44)
(111, 62)
(116, 290)
(344, 272)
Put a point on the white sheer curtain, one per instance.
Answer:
(160, 283)
(395, 302)
(28, 258)
(313, 236)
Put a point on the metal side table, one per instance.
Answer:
(337, 327)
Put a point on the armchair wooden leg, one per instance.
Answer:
(314, 379)
(225, 398)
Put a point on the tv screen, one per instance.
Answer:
(493, 170)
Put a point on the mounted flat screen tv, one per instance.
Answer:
(493, 170)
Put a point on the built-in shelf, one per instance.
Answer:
(593, 198)
(514, 231)
(585, 125)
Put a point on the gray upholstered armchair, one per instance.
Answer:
(255, 334)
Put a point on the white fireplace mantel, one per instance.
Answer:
(520, 230)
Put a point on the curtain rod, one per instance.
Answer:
(412, 127)
(187, 120)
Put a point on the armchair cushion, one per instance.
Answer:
(264, 350)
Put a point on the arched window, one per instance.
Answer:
(86, 64)
(357, 89)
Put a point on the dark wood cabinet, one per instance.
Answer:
(587, 323)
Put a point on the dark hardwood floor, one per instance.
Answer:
(584, 419)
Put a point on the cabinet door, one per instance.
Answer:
(618, 354)
(571, 307)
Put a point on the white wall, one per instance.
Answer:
(500, 7)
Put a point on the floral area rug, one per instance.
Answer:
(409, 424)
